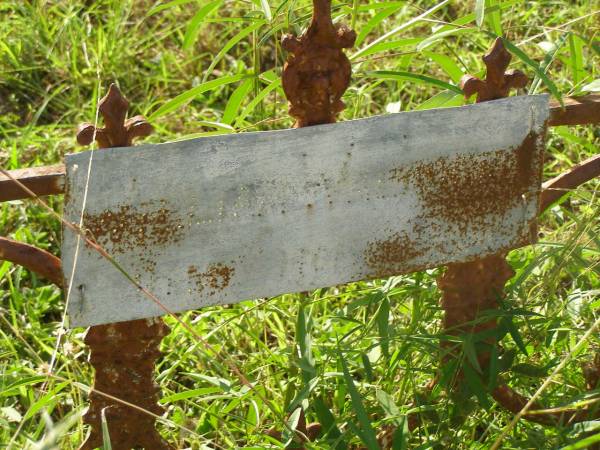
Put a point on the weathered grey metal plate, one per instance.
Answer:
(221, 219)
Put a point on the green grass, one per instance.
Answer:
(358, 356)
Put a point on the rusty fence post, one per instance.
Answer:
(315, 76)
(472, 287)
(123, 354)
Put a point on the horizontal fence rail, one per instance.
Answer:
(50, 180)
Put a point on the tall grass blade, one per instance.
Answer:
(479, 12)
(366, 432)
(106, 444)
(535, 66)
(193, 28)
(190, 94)
(414, 77)
(230, 44)
(400, 28)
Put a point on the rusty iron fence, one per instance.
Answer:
(315, 77)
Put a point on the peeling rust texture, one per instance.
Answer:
(32, 258)
(388, 257)
(215, 278)
(123, 354)
(493, 185)
(127, 228)
(466, 191)
(45, 180)
(317, 72)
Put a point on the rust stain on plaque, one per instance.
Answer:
(464, 190)
(216, 277)
(391, 255)
(126, 229)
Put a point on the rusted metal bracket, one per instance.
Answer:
(584, 110)
(45, 180)
(32, 258)
(558, 186)
(123, 354)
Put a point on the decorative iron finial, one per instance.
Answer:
(498, 82)
(317, 72)
(117, 131)
(123, 354)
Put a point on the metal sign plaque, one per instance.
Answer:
(222, 219)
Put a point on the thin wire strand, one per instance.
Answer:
(61, 330)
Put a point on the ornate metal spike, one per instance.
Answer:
(317, 72)
(123, 354)
(498, 82)
(117, 132)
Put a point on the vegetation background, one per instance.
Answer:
(361, 353)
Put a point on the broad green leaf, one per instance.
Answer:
(414, 77)
(46, 400)
(235, 101)
(510, 326)
(476, 386)
(494, 15)
(374, 22)
(27, 381)
(447, 64)
(576, 58)
(387, 403)
(479, 12)
(383, 325)
(444, 99)
(303, 394)
(400, 436)
(470, 352)
(594, 86)
(195, 24)
(190, 94)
